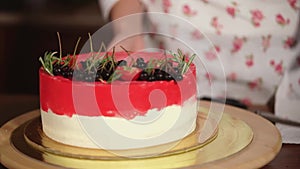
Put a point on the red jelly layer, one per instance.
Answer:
(120, 98)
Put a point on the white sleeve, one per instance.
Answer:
(106, 6)
(287, 103)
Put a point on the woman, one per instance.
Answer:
(254, 41)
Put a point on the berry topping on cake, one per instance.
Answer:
(105, 67)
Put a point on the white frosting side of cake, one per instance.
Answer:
(169, 124)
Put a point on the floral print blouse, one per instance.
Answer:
(254, 41)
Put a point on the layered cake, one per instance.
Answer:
(118, 100)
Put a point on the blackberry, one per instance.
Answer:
(89, 78)
(176, 71)
(57, 69)
(79, 76)
(168, 77)
(108, 66)
(65, 68)
(70, 74)
(65, 71)
(105, 75)
(64, 74)
(159, 74)
(178, 77)
(140, 60)
(151, 78)
(98, 76)
(141, 65)
(143, 76)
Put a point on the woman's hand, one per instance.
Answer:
(133, 44)
(127, 29)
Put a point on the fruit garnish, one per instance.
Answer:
(102, 66)
(128, 73)
(183, 61)
(58, 65)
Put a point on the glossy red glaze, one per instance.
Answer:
(121, 98)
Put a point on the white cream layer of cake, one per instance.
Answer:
(169, 124)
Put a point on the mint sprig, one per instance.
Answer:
(182, 60)
(47, 61)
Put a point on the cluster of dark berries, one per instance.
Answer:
(105, 70)
(165, 73)
(62, 70)
(102, 72)
(158, 75)
(140, 63)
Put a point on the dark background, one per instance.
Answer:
(28, 29)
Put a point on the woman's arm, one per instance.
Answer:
(125, 7)
(125, 23)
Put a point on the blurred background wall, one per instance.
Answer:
(28, 29)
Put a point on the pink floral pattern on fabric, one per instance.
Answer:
(247, 101)
(248, 37)
(281, 20)
(289, 42)
(196, 35)
(212, 53)
(293, 4)
(257, 17)
(215, 24)
(232, 76)
(209, 77)
(249, 61)
(266, 42)
(186, 9)
(237, 44)
(232, 10)
(166, 5)
(278, 67)
(173, 30)
(255, 84)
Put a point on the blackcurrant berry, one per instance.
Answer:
(143, 76)
(159, 75)
(168, 77)
(178, 77)
(57, 70)
(141, 65)
(151, 78)
(105, 75)
(98, 75)
(70, 74)
(140, 60)
(176, 70)
(88, 78)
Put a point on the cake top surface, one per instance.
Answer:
(107, 67)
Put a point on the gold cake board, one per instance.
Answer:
(36, 138)
(243, 140)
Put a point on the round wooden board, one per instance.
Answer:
(265, 145)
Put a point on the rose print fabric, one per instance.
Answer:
(255, 41)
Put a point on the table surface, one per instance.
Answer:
(13, 105)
